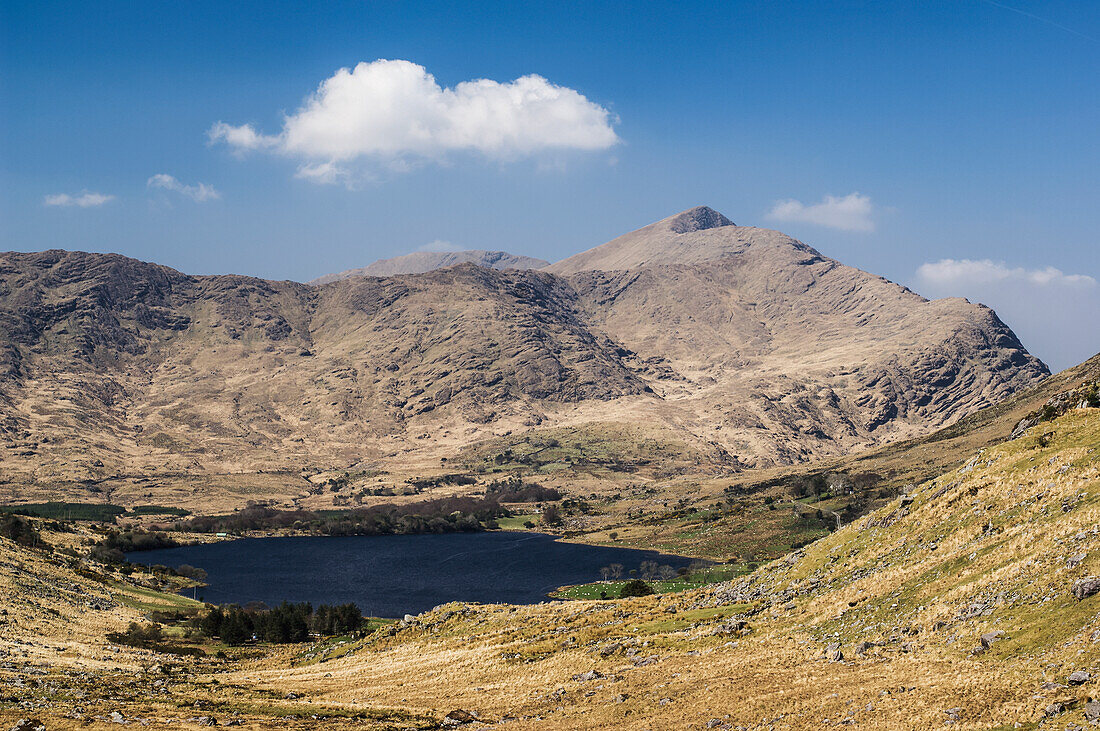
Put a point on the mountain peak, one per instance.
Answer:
(699, 218)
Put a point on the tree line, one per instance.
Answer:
(442, 515)
(284, 623)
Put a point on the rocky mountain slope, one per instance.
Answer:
(783, 352)
(425, 261)
(742, 342)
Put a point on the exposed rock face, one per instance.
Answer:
(426, 261)
(742, 339)
(112, 360)
(785, 352)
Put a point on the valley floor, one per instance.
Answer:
(971, 602)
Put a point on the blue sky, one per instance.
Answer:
(951, 146)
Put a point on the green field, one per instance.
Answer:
(67, 511)
(670, 586)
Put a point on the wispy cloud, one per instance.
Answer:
(1054, 313)
(200, 192)
(853, 212)
(986, 271)
(83, 200)
(394, 113)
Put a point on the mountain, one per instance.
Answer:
(740, 345)
(775, 350)
(425, 261)
(111, 365)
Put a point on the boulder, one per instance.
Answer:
(1079, 677)
(1092, 711)
(1086, 587)
(28, 724)
(586, 676)
(458, 717)
(990, 637)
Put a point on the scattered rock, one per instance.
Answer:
(586, 676)
(1079, 677)
(28, 724)
(1092, 711)
(1074, 561)
(459, 717)
(834, 653)
(116, 717)
(1059, 707)
(611, 649)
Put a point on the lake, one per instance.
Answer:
(389, 576)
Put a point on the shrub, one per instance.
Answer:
(105, 554)
(515, 490)
(137, 539)
(21, 531)
(635, 587)
(138, 635)
(551, 515)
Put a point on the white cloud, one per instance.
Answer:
(1054, 313)
(985, 271)
(439, 246)
(853, 212)
(395, 113)
(84, 200)
(199, 193)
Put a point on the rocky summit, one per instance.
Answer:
(745, 344)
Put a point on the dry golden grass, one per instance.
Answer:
(985, 547)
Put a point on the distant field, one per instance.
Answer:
(670, 586)
(105, 512)
(67, 511)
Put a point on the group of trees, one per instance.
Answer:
(451, 479)
(20, 530)
(443, 515)
(137, 539)
(648, 570)
(515, 490)
(284, 623)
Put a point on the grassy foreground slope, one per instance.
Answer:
(880, 624)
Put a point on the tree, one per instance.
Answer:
(551, 514)
(605, 573)
(635, 587)
(616, 570)
(191, 572)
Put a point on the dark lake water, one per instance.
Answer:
(389, 576)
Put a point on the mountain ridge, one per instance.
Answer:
(745, 342)
(420, 262)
